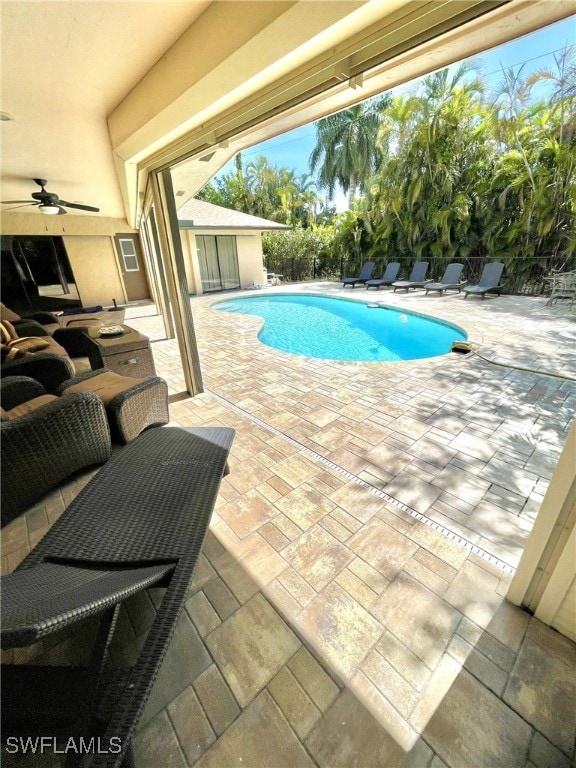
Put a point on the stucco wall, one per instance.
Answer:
(250, 259)
(93, 261)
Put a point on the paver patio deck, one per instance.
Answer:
(386, 496)
(380, 508)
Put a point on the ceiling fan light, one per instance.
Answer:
(52, 210)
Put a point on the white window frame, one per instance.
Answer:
(133, 254)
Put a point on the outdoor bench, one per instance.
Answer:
(139, 523)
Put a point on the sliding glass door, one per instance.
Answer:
(218, 262)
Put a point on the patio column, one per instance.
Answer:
(176, 281)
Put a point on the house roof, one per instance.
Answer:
(196, 214)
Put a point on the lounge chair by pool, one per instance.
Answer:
(417, 277)
(390, 274)
(365, 274)
(450, 280)
(489, 280)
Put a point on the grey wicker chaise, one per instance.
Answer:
(140, 522)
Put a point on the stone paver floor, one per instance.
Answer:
(373, 517)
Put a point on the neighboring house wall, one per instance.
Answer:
(250, 259)
(249, 251)
(89, 242)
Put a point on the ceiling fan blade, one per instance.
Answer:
(24, 205)
(30, 202)
(78, 205)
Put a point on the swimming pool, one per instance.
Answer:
(341, 329)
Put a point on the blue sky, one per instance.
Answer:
(536, 51)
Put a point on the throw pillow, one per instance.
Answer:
(7, 331)
(28, 344)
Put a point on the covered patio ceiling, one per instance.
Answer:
(100, 93)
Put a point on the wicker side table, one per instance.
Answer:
(128, 354)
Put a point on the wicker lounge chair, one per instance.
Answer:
(140, 522)
(365, 274)
(390, 274)
(489, 281)
(45, 439)
(450, 280)
(417, 277)
(132, 404)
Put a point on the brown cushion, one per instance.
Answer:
(54, 348)
(7, 331)
(8, 314)
(4, 415)
(30, 406)
(106, 385)
(29, 344)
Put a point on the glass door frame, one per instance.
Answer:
(219, 259)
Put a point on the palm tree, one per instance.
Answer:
(563, 82)
(535, 177)
(434, 153)
(261, 179)
(345, 153)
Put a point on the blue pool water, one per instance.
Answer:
(339, 329)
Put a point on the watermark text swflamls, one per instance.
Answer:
(79, 746)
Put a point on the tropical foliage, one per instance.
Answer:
(446, 172)
(469, 175)
(261, 189)
(301, 254)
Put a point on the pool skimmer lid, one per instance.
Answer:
(461, 347)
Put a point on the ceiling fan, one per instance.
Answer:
(49, 202)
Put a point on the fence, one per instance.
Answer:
(521, 276)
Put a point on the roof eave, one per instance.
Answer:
(186, 224)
